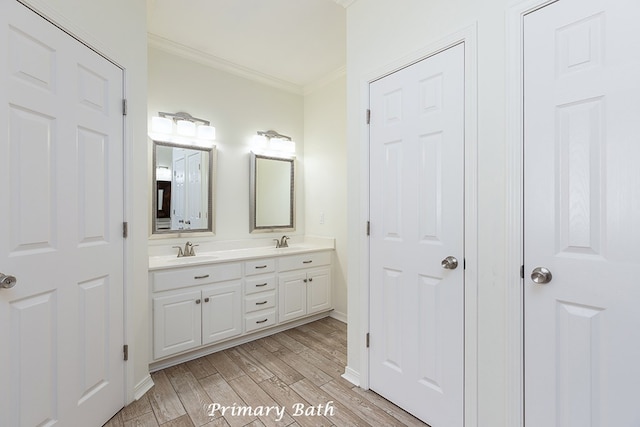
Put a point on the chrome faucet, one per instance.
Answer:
(188, 250)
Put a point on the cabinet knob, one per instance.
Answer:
(311, 279)
(304, 280)
(198, 301)
(206, 299)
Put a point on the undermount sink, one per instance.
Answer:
(191, 259)
(292, 248)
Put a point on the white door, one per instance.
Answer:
(61, 190)
(417, 222)
(582, 214)
(178, 190)
(194, 191)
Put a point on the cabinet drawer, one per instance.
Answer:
(260, 266)
(260, 284)
(261, 320)
(184, 277)
(312, 259)
(260, 302)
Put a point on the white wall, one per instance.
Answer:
(238, 108)
(118, 29)
(379, 33)
(325, 152)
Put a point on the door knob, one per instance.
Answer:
(450, 263)
(7, 282)
(541, 275)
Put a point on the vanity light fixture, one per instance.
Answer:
(274, 141)
(186, 125)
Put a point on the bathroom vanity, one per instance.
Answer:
(218, 299)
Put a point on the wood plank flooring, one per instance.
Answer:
(295, 374)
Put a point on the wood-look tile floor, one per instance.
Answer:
(296, 370)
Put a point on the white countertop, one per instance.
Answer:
(161, 262)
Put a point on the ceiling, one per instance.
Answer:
(292, 44)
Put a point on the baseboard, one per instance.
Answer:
(352, 376)
(339, 316)
(142, 387)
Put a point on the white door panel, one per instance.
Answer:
(417, 220)
(582, 198)
(61, 185)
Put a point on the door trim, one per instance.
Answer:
(468, 36)
(514, 208)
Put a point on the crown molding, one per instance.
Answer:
(212, 61)
(329, 78)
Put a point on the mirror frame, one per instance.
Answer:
(291, 226)
(212, 156)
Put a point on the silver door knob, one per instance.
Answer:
(450, 263)
(7, 282)
(541, 275)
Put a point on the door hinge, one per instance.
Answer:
(367, 339)
(368, 228)
(124, 107)
(368, 117)
(522, 271)
(125, 229)
(125, 350)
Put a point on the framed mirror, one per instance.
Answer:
(272, 194)
(183, 182)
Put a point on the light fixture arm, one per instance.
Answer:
(273, 134)
(184, 116)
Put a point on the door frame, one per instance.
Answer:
(131, 391)
(468, 37)
(514, 207)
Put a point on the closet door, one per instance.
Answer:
(581, 221)
(61, 187)
(417, 238)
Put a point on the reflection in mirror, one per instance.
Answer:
(272, 204)
(182, 188)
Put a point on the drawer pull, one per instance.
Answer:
(261, 285)
(307, 262)
(261, 303)
(261, 266)
(201, 277)
(261, 321)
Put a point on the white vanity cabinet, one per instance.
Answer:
(304, 285)
(206, 307)
(195, 306)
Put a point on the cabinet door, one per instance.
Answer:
(292, 296)
(221, 311)
(176, 323)
(318, 290)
